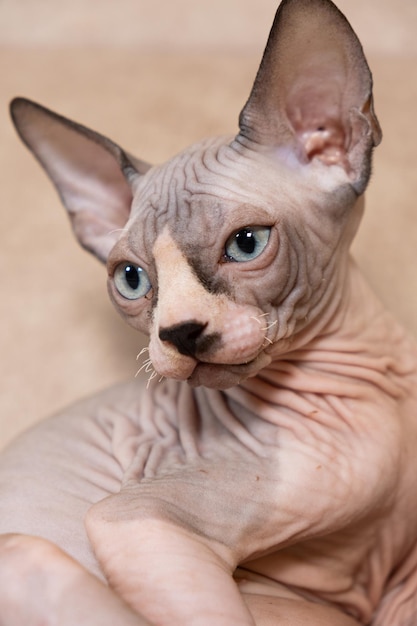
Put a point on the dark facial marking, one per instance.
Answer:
(212, 284)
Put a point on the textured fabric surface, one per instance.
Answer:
(59, 337)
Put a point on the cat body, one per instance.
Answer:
(265, 471)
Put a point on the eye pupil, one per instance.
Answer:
(131, 281)
(246, 241)
(132, 276)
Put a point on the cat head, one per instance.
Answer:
(230, 250)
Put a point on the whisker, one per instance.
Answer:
(145, 366)
(148, 367)
(270, 326)
(117, 230)
(146, 349)
(257, 318)
(151, 377)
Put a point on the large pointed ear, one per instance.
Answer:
(313, 91)
(93, 176)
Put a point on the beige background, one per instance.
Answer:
(388, 26)
(155, 76)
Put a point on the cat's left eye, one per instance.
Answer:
(247, 244)
(131, 281)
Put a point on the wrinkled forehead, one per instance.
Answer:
(207, 179)
(215, 186)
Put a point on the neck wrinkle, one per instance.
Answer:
(355, 351)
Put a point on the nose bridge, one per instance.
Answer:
(181, 296)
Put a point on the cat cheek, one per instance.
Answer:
(242, 336)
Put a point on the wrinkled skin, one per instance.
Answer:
(301, 477)
(345, 473)
(265, 473)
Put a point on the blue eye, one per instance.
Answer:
(131, 281)
(247, 244)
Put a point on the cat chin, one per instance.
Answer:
(217, 376)
(214, 377)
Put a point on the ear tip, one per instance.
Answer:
(18, 106)
(15, 105)
(311, 5)
(18, 102)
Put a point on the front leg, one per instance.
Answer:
(180, 537)
(40, 584)
(163, 569)
(227, 491)
(175, 577)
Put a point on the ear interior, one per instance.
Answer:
(93, 175)
(313, 90)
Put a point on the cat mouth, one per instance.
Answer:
(220, 376)
(216, 348)
(218, 371)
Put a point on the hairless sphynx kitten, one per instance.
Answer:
(266, 474)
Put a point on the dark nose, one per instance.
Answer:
(185, 337)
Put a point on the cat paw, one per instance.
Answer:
(40, 584)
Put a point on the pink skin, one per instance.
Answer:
(58, 590)
(270, 477)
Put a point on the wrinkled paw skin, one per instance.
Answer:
(149, 557)
(41, 586)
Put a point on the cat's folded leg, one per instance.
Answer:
(153, 549)
(166, 572)
(49, 478)
(75, 465)
(40, 584)
(57, 590)
(175, 578)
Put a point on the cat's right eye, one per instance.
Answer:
(247, 244)
(131, 281)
